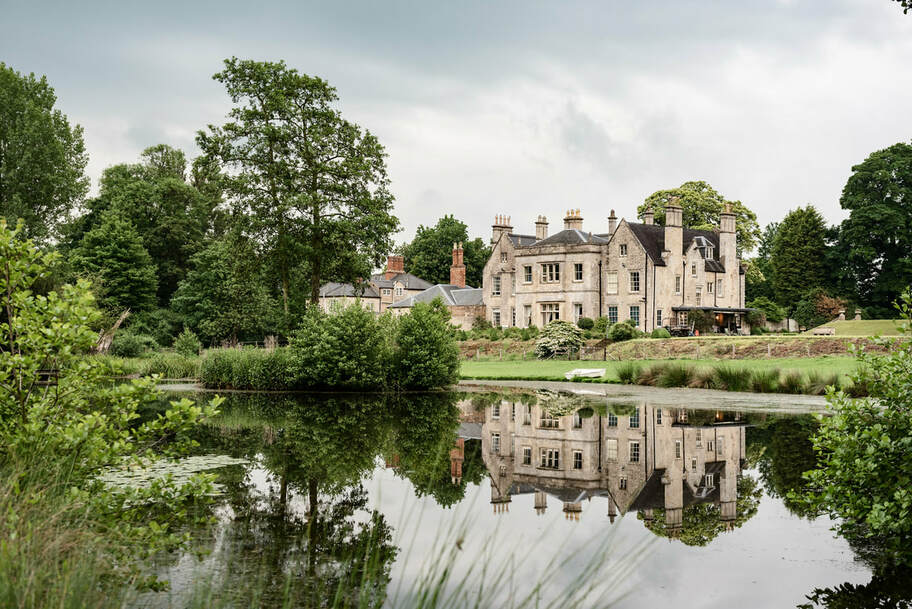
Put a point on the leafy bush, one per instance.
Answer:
(127, 344)
(558, 338)
(770, 310)
(660, 333)
(585, 323)
(480, 323)
(426, 355)
(187, 343)
(161, 324)
(600, 326)
(624, 330)
(701, 321)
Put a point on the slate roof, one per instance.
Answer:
(652, 236)
(407, 279)
(521, 240)
(571, 236)
(338, 290)
(451, 295)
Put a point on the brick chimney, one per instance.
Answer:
(394, 266)
(458, 269)
(573, 220)
(541, 228)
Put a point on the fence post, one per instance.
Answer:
(769, 349)
(733, 350)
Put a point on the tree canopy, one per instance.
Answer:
(429, 254)
(878, 232)
(313, 185)
(42, 157)
(797, 256)
(702, 207)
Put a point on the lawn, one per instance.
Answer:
(553, 370)
(865, 327)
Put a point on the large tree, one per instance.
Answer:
(429, 254)
(702, 206)
(797, 257)
(877, 235)
(42, 157)
(758, 281)
(314, 185)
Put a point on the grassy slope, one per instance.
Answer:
(553, 370)
(865, 327)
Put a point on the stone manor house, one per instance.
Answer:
(642, 271)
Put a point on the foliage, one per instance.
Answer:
(660, 333)
(253, 369)
(128, 344)
(624, 330)
(865, 453)
(702, 209)
(702, 321)
(313, 185)
(112, 253)
(429, 254)
(188, 344)
(426, 355)
(876, 234)
(558, 338)
(161, 324)
(771, 311)
(601, 326)
(42, 158)
(585, 323)
(817, 307)
(55, 437)
(797, 255)
(224, 297)
(905, 4)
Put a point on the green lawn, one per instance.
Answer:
(553, 370)
(865, 327)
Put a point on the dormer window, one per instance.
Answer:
(709, 253)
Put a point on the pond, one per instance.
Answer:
(508, 499)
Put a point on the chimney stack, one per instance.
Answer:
(573, 220)
(674, 233)
(541, 228)
(728, 242)
(648, 216)
(394, 266)
(458, 269)
(612, 223)
(501, 225)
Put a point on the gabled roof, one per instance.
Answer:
(338, 290)
(408, 280)
(571, 236)
(521, 240)
(451, 295)
(652, 237)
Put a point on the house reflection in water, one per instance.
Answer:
(639, 457)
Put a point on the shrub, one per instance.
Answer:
(161, 324)
(700, 320)
(494, 334)
(675, 375)
(623, 331)
(513, 332)
(480, 323)
(600, 326)
(426, 355)
(558, 338)
(793, 382)
(526, 334)
(187, 343)
(628, 372)
(127, 344)
(731, 379)
(461, 335)
(252, 369)
(660, 333)
(764, 381)
(585, 323)
(770, 310)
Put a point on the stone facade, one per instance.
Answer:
(645, 272)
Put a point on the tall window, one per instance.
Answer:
(635, 314)
(699, 294)
(709, 446)
(495, 411)
(709, 287)
(677, 449)
(677, 284)
(399, 290)
(658, 416)
(495, 443)
(623, 249)
(577, 311)
(693, 269)
(577, 459)
(699, 434)
(577, 420)
(611, 449)
(527, 455)
(658, 317)
(549, 422)
(612, 420)
(527, 273)
(495, 289)
(513, 411)
(693, 464)
(622, 483)
(495, 317)
(612, 314)
(718, 286)
(577, 271)
(550, 272)
(634, 452)
(634, 422)
(634, 281)
(527, 313)
(512, 316)
(718, 445)
(709, 480)
(503, 256)
(527, 414)
(550, 311)
(550, 458)
(611, 283)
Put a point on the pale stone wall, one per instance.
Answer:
(635, 260)
(496, 266)
(330, 303)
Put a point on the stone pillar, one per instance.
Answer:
(541, 502)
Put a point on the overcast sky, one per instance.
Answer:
(518, 108)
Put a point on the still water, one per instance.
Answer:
(510, 499)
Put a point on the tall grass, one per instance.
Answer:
(765, 381)
(254, 369)
(731, 379)
(628, 372)
(675, 375)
